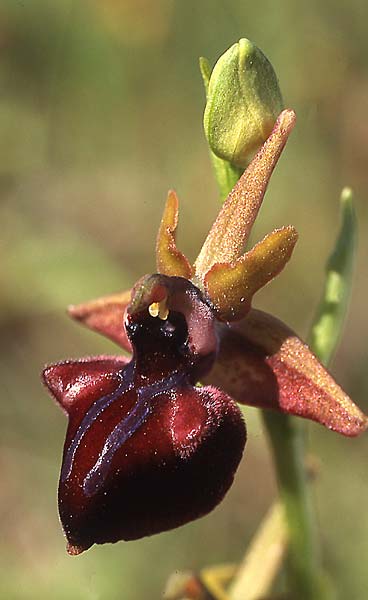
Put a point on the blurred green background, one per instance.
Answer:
(100, 113)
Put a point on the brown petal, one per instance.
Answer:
(170, 261)
(105, 315)
(263, 363)
(231, 229)
(232, 286)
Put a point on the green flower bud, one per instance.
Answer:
(243, 102)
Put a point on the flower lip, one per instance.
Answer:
(142, 435)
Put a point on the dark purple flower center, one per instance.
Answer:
(185, 340)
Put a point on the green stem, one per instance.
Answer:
(227, 175)
(287, 437)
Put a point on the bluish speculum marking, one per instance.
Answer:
(125, 429)
(90, 417)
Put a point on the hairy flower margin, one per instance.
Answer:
(148, 449)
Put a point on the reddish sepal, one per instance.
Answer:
(106, 316)
(263, 363)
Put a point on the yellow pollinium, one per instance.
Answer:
(159, 309)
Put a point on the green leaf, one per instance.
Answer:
(329, 321)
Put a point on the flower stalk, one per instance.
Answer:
(287, 440)
(287, 436)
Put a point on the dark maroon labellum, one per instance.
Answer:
(146, 450)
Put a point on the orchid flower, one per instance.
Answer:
(154, 440)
